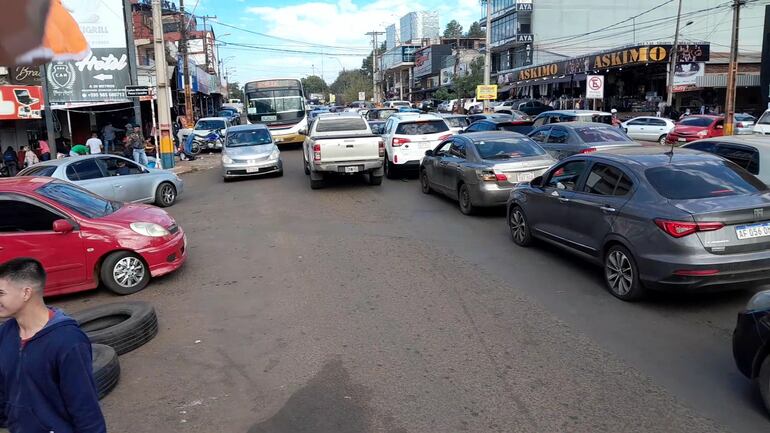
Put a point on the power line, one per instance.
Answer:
(290, 40)
(264, 48)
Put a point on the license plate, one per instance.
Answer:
(351, 169)
(425, 145)
(277, 139)
(681, 140)
(526, 177)
(269, 118)
(252, 170)
(753, 231)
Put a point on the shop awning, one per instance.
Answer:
(720, 80)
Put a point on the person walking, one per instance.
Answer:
(109, 135)
(45, 151)
(136, 142)
(79, 150)
(45, 359)
(11, 161)
(94, 144)
(30, 158)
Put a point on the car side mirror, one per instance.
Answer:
(560, 185)
(302, 131)
(428, 152)
(63, 226)
(719, 127)
(538, 181)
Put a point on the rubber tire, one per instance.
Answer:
(140, 326)
(158, 196)
(316, 184)
(637, 291)
(105, 274)
(764, 381)
(306, 166)
(469, 210)
(280, 173)
(527, 241)
(375, 180)
(106, 368)
(662, 140)
(424, 182)
(390, 169)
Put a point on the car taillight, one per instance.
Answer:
(680, 229)
(445, 137)
(588, 150)
(740, 125)
(381, 147)
(501, 177)
(316, 152)
(400, 141)
(491, 176)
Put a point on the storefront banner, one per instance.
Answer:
(447, 74)
(25, 75)
(103, 75)
(687, 73)
(20, 102)
(422, 63)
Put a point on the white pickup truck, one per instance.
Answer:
(342, 143)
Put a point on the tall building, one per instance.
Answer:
(392, 36)
(419, 25)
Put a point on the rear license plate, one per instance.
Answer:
(425, 145)
(753, 231)
(269, 118)
(526, 177)
(351, 169)
(252, 169)
(681, 140)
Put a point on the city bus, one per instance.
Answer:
(280, 104)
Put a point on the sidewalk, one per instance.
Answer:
(202, 162)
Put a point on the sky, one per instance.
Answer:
(300, 38)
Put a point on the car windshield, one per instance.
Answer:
(39, 170)
(338, 124)
(400, 104)
(696, 121)
(600, 134)
(422, 127)
(508, 148)
(512, 127)
(704, 179)
(745, 118)
(81, 201)
(205, 125)
(765, 119)
(384, 114)
(457, 122)
(252, 137)
(225, 113)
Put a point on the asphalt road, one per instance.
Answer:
(379, 309)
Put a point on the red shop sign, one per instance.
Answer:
(21, 102)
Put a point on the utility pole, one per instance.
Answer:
(488, 51)
(166, 146)
(732, 71)
(188, 108)
(132, 58)
(673, 56)
(374, 35)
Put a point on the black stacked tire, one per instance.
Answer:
(106, 368)
(124, 326)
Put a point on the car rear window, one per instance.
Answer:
(206, 125)
(601, 134)
(382, 114)
(39, 170)
(339, 124)
(508, 148)
(422, 127)
(249, 137)
(765, 119)
(704, 179)
(696, 121)
(457, 122)
(512, 127)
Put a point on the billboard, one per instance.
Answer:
(20, 102)
(102, 76)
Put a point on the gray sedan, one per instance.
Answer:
(114, 178)
(569, 138)
(479, 169)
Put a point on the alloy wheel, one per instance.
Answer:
(619, 272)
(518, 226)
(128, 272)
(167, 194)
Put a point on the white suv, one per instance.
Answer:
(407, 136)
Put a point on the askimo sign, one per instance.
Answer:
(104, 75)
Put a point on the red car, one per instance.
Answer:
(83, 239)
(693, 128)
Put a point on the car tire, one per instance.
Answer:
(390, 169)
(375, 180)
(621, 274)
(106, 368)
(124, 326)
(165, 195)
(316, 184)
(518, 225)
(280, 173)
(136, 277)
(306, 166)
(464, 200)
(764, 382)
(662, 140)
(425, 182)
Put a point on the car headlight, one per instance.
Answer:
(703, 133)
(760, 301)
(275, 154)
(226, 159)
(149, 229)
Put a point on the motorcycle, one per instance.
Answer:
(210, 141)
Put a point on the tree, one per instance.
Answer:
(366, 64)
(314, 84)
(453, 30)
(475, 31)
(235, 92)
(465, 85)
(349, 83)
(443, 94)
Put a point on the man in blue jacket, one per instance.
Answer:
(46, 379)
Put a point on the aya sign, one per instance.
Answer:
(595, 87)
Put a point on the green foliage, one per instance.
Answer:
(366, 64)
(453, 30)
(314, 84)
(234, 91)
(349, 83)
(443, 93)
(465, 86)
(475, 31)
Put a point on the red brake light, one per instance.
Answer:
(588, 150)
(696, 272)
(381, 147)
(400, 141)
(316, 152)
(445, 137)
(680, 229)
(501, 177)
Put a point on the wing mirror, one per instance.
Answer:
(537, 182)
(719, 127)
(63, 226)
(303, 131)
(428, 152)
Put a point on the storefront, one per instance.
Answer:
(21, 116)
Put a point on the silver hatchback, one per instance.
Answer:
(250, 151)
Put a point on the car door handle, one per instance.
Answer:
(608, 209)
(118, 186)
(564, 199)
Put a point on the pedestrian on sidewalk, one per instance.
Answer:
(136, 142)
(79, 150)
(30, 158)
(45, 360)
(11, 161)
(45, 151)
(94, 144)
(108, 133)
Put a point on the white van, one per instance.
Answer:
(762, 127)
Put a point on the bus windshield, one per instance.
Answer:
(275, 101)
